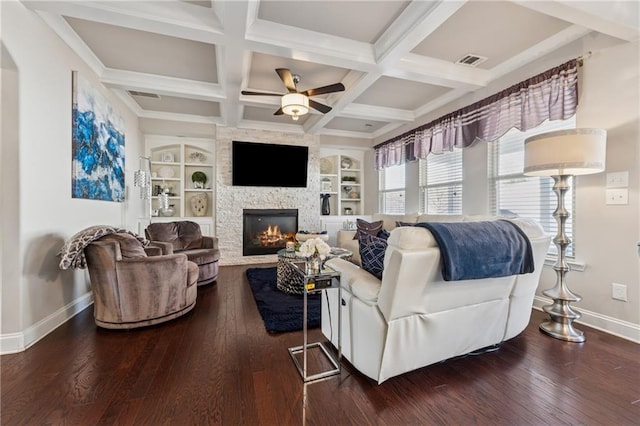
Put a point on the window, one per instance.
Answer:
(391, 189)
(441, 183)
(511, 193)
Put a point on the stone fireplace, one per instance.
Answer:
(265, 231)
(231, 200)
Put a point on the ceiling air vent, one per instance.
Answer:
(471, 60)
(144, 94)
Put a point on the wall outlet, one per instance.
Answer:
(619, 291)
(617, 196)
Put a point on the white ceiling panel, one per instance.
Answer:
(342, 19)
(496, 30)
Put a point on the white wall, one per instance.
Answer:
(36, 295)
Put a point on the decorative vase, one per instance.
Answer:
(199, 204)
(168, 212)
(313, 264)
(326, 208)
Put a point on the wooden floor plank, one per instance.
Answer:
(217, 365)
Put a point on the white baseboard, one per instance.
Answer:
(614, 326)
(18, 342)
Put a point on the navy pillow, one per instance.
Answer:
(383, 233)
(372, 250)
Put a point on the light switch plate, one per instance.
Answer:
(618, 180)
(617, 196)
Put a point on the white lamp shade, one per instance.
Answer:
(565, 152)
(295, 104)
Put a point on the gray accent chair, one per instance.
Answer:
(136, 287)
(186, 237)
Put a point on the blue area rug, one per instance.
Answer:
(281, 311)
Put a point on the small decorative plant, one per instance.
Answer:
(199, 179)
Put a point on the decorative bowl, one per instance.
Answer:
(301, 238)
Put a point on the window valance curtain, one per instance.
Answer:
(551, 95)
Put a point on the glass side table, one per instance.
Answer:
(291, 282)
(327, 279)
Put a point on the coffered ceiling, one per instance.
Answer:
(189, 60)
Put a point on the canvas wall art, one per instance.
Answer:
(98, 145)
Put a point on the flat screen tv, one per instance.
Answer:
(264, 164)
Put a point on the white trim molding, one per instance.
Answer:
(17, 342)
(606, 324)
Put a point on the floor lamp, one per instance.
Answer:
(562, 154)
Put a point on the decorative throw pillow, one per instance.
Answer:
(372, 250)
(130, 247)
(383, 234)
(370, 228)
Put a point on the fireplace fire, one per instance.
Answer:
(265, 231)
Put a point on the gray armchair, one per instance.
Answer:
(132, 289)
(186, 237)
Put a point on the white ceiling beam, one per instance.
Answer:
(563, 38)
(162, 85)
(620, 19)
(62, 28)
(428, 70)
(178, 19)
(415, 23)
(305, 45)
(233, 60)
(377, 113)
(418, 20)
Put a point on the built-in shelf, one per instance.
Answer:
(173, 162)
(345, 195)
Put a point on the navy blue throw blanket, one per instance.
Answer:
(472, 250)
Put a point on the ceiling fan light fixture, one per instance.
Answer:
(295, 104)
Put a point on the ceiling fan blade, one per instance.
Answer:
(320, 107)
(278, 112)
(247, 92)
(337, 87)
(287, 79)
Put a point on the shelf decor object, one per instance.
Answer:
(199, 179)
(199, 204)
(166, 172)
(142, 180)
(562, 154)
(167, 157)
(197, 157)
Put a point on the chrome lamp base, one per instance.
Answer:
(561, 315)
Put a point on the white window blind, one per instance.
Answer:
(511, 193)
(441, 183)
(391, 190)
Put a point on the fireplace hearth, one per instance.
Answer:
(265, 231)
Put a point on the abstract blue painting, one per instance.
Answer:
(98, 145)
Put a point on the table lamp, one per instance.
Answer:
(562, 154)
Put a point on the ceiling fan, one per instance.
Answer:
(297, 103)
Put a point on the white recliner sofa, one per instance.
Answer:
(412, 317)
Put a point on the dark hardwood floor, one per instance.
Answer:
(218, 365)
